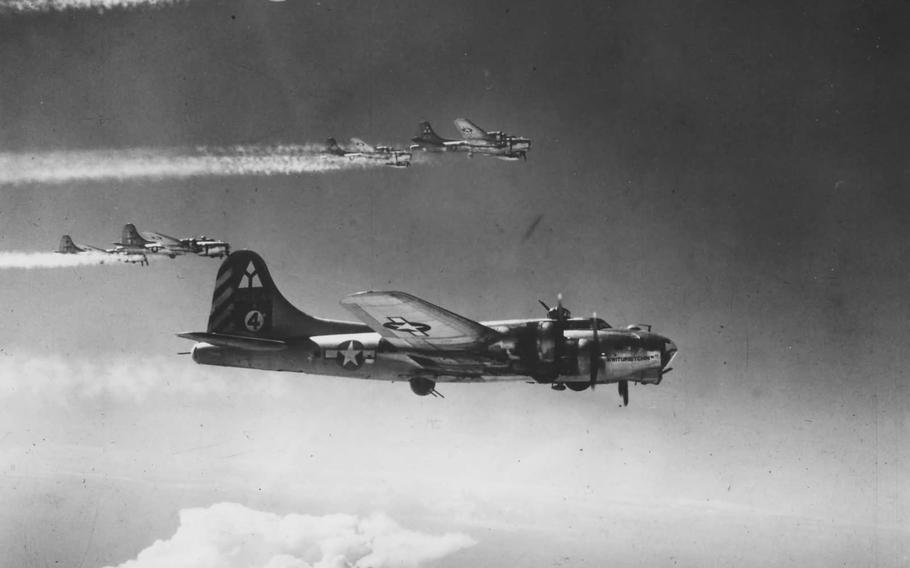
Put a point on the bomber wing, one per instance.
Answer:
(411, 323)
(160, 238)
(158, 242)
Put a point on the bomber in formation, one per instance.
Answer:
(474, 140)
(362, 151)
(149, 242)
(135, 247)
(67, 246)
(401, 337)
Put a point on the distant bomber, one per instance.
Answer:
(364, 152)
(156, 243)
(67, 246)
(475, 141)
(401, 337)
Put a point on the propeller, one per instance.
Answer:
(624, 392)
(558, 312)
(595, 351)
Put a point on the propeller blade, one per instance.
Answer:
(624, 392)
(557, 312)
(595, 351)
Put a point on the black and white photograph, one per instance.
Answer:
(454, 284)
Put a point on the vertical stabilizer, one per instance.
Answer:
(426, 135)
(131, 237)
(67, 246)
(246, 302)
(332, 147)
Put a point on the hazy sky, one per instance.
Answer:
(735, 176)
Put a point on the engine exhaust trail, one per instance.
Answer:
(18, 168)
(28, 260)
(12, 6)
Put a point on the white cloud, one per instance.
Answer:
(230, 535)
(65, 379)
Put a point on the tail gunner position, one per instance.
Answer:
(401, 337)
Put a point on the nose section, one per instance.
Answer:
(668, 353)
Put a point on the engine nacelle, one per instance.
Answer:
(214, 250)
(544, 352)
(422, 387)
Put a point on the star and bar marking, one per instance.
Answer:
(350, 355)
(401, 325)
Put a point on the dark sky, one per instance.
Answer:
(735, 175)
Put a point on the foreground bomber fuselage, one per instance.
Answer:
(253, 326)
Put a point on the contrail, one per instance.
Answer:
(59, 5)
(68, 166)
(15, 259)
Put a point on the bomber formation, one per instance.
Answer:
(400, 337)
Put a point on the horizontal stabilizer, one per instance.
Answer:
(236, 341)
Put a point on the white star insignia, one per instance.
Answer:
(350, 355)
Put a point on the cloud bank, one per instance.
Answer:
(230, 535)
(65, 380)
(69, 166)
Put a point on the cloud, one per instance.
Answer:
(230, 535)
(159, 163)
(63, 380)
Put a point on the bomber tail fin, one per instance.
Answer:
(131, 237)
(426, 135)
(332, 147)
(247, 303)
(67, 246)
(470, 130)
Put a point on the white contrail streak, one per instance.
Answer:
(13, 259)
(59, 5)
(67, 166)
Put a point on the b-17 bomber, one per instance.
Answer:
(402, 338)
(149, 242)
(67, 246)
(362, 151)
(475, 140)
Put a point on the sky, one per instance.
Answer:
(735, 176)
